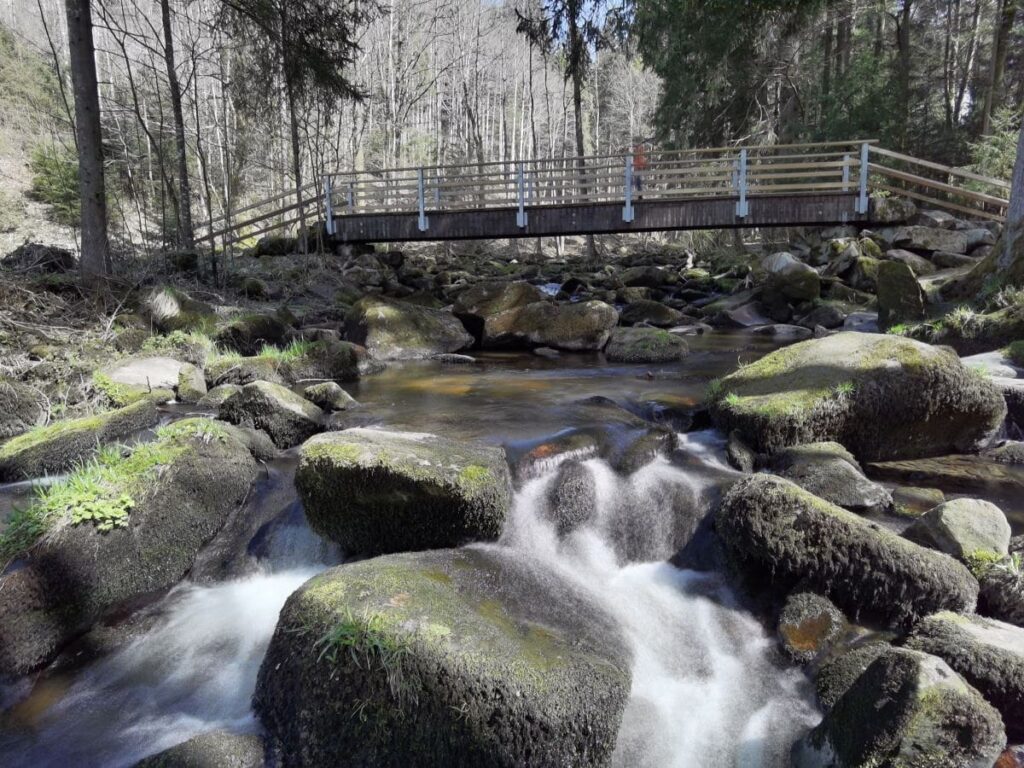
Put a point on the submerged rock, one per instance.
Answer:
(454, 657)
(61, 445)
(882, 397)
(288, 418)
(396, 330)
(989, 654)
(21, 408)
(375, 491)
(907, 710)
(808, 625)
(138, 532)
(778, 534)
(830, 472)
(644, 345)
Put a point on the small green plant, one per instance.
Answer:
(1016, 352)
(204, 430)
(293, 351)
(368, 643)
(714, 389)
(732, 399)
(845, 388)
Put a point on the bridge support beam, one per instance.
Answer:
(328, 206)
(627, 191)
(862, 192)
(521, 197)
(422, 223)
(742, 206)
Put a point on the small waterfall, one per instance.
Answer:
(709, 688)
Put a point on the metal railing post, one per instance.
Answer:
(521, 193)
(351, 197)
(423, 223)
(862, 196)
(846, 172)
(742, 208)
(328, 208)
(627, 209)
(437, 192)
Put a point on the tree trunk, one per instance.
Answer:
(576, 53)
(186, 234)
(95, 261)
(903, 64)
(1012, 257)
(826, 70)
(1000, 46)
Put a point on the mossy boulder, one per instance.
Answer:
(21, 408)
(963, 528)
(585, 325)
(215, 749)
(908, 710)
(237, 370)
(900, 296)
(128, 526)
(396, 330)
(248, 334)
(475, 304)
(170, 309)
(790, 279)
(778, 535)
(139, 378)
(841, 670)
(883, 397)
(330, 360)
(808, 626)
(830, 472)
(216, 396)
(458, 658)
(191, 384)
(59, 446)
(288, 418)
(644, 345)
(648, 312)
(375, 491)
(989, 654)
(922, 238)
(329, 396)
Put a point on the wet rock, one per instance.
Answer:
(170, 309)
(191, 385)
(808, 626)
(61, 445)
(216, 396)
(835, 676)
(1002, 589)
(784, 331)
(453, 359)
(988, 654)
(572, 500)
(920, 238)
(911, 500)
(1013, 394)
(176, 493)
(827, 316)
(453, 657)
(644, 345)
(778, 534)
(831, 472)
(248, 334)
(396, 330)
(329, 396)
(288, 418)
(483, 300)
(918, 265)
(641, 449)
(21, 408)
(537, 457)
(861, 322)
(957, 473)
(746, 316)
(791, 278)
(216, 749)
(908, 710)
(646, 312)
(374, 491)
(880, 396)
(900, 296)
(585, 325)
(1010, 452)
(963, 528)
(739, 454)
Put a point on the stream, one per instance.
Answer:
(710, 687)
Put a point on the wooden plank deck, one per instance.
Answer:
(600, 218)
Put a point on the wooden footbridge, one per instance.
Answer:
(781, 185)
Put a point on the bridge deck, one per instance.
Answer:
(726, 187)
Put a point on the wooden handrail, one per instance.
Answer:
(941, 168)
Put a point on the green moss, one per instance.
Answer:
(40, 435)
(475, 475)
(121, 395)
(1015, 351)
(193, 346)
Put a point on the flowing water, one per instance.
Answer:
(709, 686)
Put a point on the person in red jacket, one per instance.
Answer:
(639, 165)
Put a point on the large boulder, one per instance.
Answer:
(644, 345)
(989, 654)
(330, 360)
(830, 472)
(375, 491)
(900, 296)
(214, 749)
(287, 417)
(582, 326)
(248, 334)
(114, 532)
(777, 534)
(791, 278)
(191, 386)
(483, 300)
(648, 312)
(458, 658)
(908, 710)
(883, 397)
(329, 396)
(138, 378)
(21, 408)
(396, 330)
(918, 265)
(964, 528)
(59, 446)
(920, 238)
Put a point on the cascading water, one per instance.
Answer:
(708, 688)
